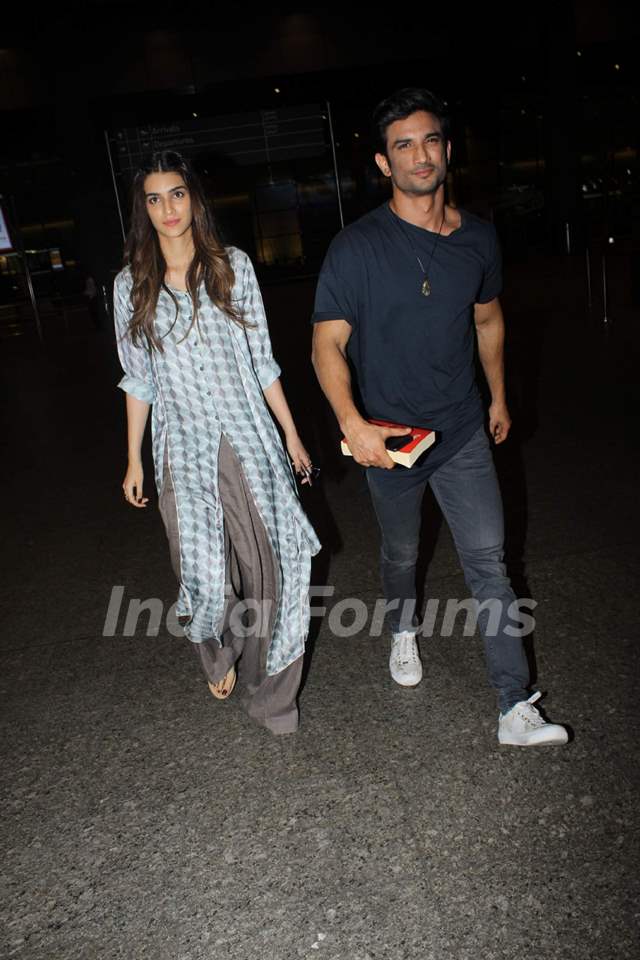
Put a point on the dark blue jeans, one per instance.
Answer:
(466, 489)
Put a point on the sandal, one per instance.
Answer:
(223, 689)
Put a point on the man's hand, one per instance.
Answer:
(499, 422)
(366, 442)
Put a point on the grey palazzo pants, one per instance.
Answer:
(251, 574)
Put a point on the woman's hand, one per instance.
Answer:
(299, 457)
(132, 485)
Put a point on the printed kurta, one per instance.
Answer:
(207, 382)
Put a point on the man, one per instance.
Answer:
(399, 293)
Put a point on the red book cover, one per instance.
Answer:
(406, 450)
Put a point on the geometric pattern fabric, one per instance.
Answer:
(207, 382)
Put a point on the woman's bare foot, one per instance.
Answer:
(223, 689)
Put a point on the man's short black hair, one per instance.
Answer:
(402, 104)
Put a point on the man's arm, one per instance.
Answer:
(329, 358)
(490, 329)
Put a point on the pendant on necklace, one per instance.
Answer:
(426, 287)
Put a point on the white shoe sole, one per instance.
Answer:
(556, 740)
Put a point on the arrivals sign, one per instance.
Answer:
(263, 136)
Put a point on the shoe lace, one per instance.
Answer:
(528, 713)
(406, 646)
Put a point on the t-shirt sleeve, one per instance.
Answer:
(492, 281)
(335, 298)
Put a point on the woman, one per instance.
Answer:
(194, 344)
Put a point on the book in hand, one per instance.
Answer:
(404, 450)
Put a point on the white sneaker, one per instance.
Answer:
(404, 662)
(522, 726)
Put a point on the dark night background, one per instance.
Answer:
(143, 819)
(544, 106)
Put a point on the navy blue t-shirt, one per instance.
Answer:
(413, 355)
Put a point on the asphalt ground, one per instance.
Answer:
(141, 818)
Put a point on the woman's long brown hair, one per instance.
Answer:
(144, 256)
